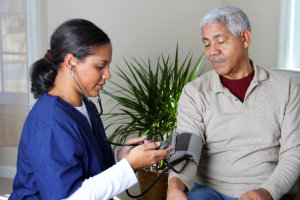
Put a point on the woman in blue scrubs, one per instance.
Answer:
(62, 151)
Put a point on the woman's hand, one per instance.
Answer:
(123, 151)
(145, 155)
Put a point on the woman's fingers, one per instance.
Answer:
(150, 145)
(145, 155)
(161, 154)
(165, 152)
(136, 140)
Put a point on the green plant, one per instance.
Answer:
(148, 101)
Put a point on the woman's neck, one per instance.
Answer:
(64, 89)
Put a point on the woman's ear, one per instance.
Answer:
(246, 38)
(69, 62)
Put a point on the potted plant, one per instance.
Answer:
(147, 100)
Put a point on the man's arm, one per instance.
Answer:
(287, 171)
(176, 189)
(189, 120)
(257, 194)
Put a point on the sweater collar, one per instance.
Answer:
(260, 74)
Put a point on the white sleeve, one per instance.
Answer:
(107, 184)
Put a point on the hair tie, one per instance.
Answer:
(48, 57)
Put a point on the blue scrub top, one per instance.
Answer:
(58, 150)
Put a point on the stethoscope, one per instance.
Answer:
(101, 112)
(170, 165)
(95, 110)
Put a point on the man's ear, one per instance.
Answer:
(69, 62)
(246, 38)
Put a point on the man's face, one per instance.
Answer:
(226, 53)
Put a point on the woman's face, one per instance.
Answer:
(93, 71)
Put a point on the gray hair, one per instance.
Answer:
(234, 18)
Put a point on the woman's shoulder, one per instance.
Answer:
(52, 118)
(49, 108)
(51, 115)
(43, 105)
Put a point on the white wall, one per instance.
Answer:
(143, 28)
(264, 18)
(138, 27)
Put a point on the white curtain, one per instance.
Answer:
(13, 70)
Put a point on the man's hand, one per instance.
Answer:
(257, 194)
(176, 190)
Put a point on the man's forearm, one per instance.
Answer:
(176, 183)
(176, 189)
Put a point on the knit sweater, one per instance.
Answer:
(247, 145)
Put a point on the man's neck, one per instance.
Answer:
(244, 70)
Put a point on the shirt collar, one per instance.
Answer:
(216, 85)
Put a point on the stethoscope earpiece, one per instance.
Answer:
(72, 65)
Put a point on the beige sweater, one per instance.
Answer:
(247, 145)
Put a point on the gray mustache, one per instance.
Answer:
(216, 58)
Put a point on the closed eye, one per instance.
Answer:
(206, 44)
(100, 67)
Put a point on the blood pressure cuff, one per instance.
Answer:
(187, 144)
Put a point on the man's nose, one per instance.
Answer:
(214, 50)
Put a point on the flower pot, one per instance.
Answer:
(158, 191)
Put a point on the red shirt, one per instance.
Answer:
(238, 87)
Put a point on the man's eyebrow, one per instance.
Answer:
(215, 36)
(219, 35)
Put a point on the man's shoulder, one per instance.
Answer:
(277, 84)
(273, 73)
(202, 81)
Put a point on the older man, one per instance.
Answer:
(246, 118)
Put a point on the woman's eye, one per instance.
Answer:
(100, 67)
